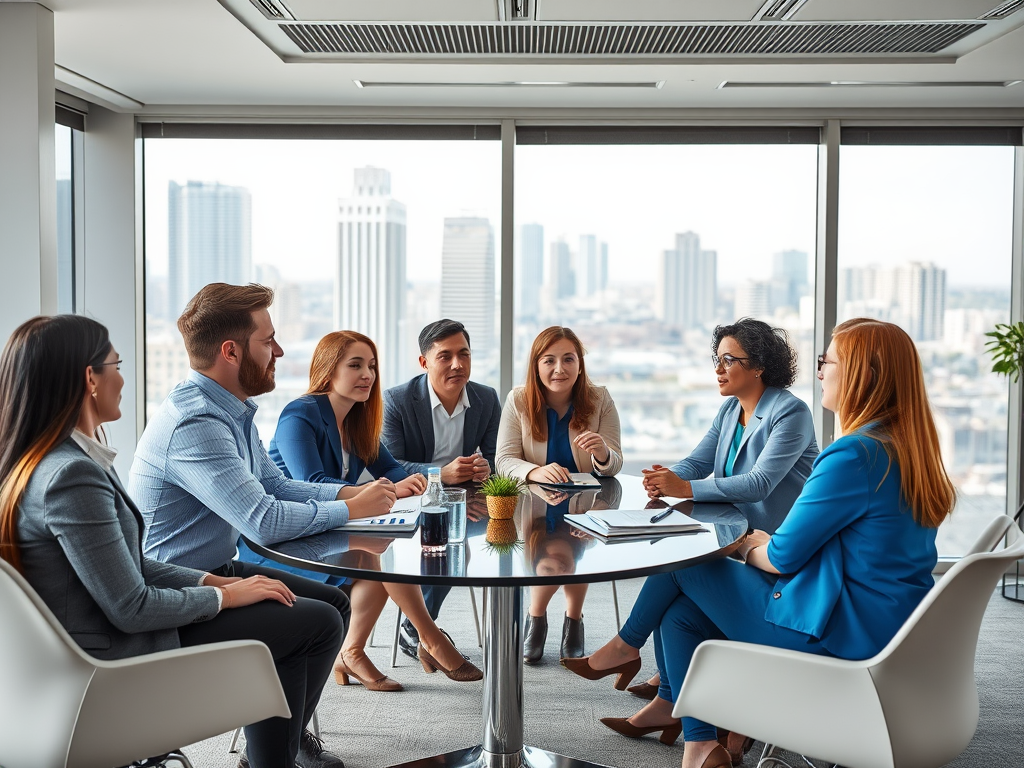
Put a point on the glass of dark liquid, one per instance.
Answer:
(434, 530)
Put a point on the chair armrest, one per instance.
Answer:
(151, 704)
(818, 706)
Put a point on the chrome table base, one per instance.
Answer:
(475, 757)
(502, 745)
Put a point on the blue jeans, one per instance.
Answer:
(720, 600)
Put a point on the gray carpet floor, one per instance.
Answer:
(435, 715)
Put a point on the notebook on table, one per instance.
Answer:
(578, 481)
(404, 516)
(628, 524)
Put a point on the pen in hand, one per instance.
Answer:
(661, 515)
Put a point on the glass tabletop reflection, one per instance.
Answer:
(536, 546)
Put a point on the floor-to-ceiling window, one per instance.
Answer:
(644, 248)
(925, 242)
(67, 148)
(378, 235)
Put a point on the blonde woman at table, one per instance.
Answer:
(844, 570)
(330, 435)
(558, 423)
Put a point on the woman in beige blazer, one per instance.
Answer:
(558, 423)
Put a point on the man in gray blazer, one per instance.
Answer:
(441, 418)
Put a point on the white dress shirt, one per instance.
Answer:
(448, 429)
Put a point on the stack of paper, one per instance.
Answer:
(404, 516)
(633, 523)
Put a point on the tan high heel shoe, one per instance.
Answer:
(669, 733)
(736, 744)
(465, 673)
(626, 671)
(717, 758)
(343, 671)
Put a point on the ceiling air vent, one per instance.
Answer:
(779, 10)
(273, 10)
(661, 40)
(1004, 10)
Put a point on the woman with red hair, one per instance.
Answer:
(330, 435)
(558, 423)
(844, 570)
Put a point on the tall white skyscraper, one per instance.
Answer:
(754, 299)
(530, 275)
(561, 282)
(912, 295)
(209, 239)
(688, 293)
(370, 282)
(467, 278)
(591, 266)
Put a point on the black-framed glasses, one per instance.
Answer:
(822, 361)
(727, 361)
(112, 362)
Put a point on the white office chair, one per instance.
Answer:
(61, 708)
(913, 705)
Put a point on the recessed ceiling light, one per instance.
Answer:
(510, 84)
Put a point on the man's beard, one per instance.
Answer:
(254, 380)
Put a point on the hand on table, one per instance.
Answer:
(461, 470)
(482, 470)
(549, 473)
(255, 589)
(375, 498)
(413, 485)
(594, 444)
(662, 481)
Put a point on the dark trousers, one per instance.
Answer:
(304, 640)
(434, 596)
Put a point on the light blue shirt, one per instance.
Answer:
(201, 476)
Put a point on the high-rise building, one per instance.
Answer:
(789, 278)
(286, 311)
(591, 266)
(467, 278)
(209, 239)
(754, 299)
(530, 275)
(561, 276)
(921, 297)
(370, 282)
(688, 293)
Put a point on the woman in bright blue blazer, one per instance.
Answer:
(760, 448)
(848, 565)
(330, 435)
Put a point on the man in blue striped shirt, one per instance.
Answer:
(201, 474)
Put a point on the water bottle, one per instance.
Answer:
(433, 516)
(432, 496)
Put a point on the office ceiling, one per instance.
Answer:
(473, 54)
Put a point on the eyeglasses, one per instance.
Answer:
(726, 361)
(822, 361)
(112, 362)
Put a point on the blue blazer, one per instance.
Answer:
(307, 446)
(855, 564)
(409, 425)
(772, 464)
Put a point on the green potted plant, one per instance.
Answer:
(502, 493)
(1007, 349)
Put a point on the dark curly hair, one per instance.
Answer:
(765, 347)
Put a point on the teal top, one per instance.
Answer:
(734, 447)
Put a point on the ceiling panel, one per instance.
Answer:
(647, 10)
(394, 10)
(887, 10)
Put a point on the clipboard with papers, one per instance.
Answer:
(404, 516)
(633, 524)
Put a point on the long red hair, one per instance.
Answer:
(582, 390)
(881, 392)
(365, 421)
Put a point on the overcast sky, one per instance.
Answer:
(948, 205)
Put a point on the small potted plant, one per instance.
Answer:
(502, 493)
(1007, 349)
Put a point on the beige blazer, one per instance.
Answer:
(518, 453)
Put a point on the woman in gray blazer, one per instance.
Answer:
(67, 524)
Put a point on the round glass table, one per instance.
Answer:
(537, 546)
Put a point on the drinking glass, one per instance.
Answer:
(434, 530)
(454, 500)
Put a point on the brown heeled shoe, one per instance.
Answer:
(644, 690)
(626, 671)
(718, 757)
(669, 733)
(736, 744)
(342, 673)
(467, 672)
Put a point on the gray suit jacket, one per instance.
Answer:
(409, 425)
(80, 537)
